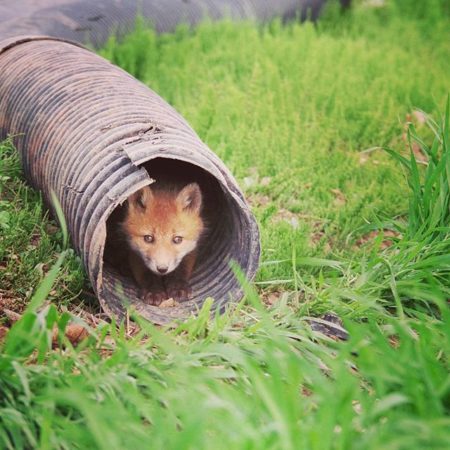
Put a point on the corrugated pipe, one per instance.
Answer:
(88, 21)
(93, 134)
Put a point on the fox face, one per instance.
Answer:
(162, 225)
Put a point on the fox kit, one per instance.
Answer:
(163, 225)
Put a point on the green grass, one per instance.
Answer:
(301, 115)
(29, 241)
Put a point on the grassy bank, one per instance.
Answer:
(299, 113)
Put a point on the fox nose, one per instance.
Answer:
(162, 269)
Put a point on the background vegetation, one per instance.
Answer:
(299, 112)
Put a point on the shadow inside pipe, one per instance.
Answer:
(221, 241)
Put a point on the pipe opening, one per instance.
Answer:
(224, 240)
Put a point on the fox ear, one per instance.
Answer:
(190, 198)
(141, 198)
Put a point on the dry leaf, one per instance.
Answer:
(418, 153)
(419, 117)
(3, 332)
(258, 200)
(394, 341)
(317, 233)
(287, 216)
(270, 298)
(12, 316)
(8, 301)
(75, 333)
(388, 236)
(363, 158)
(339, 197)
(169, 303)
(35, 240)
(306, 392)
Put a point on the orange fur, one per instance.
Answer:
(156, 219)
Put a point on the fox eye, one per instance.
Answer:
(177, 239)
(149, 238)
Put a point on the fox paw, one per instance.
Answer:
(180, 293)
(153, 298)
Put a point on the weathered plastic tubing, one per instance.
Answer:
(92, 22)
(83, 128)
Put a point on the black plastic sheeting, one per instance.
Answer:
(93, 21)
